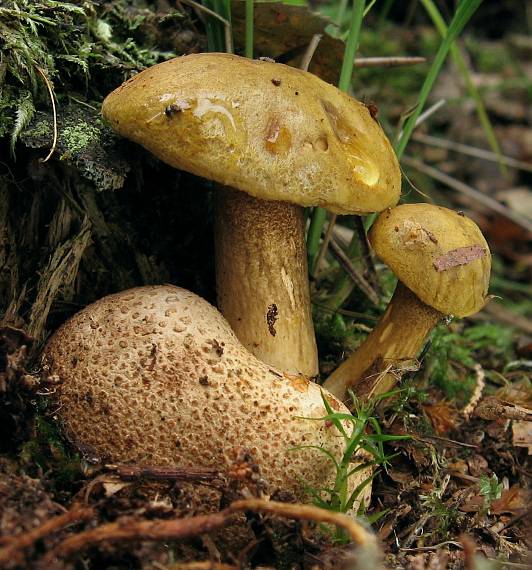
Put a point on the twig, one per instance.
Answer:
(351, 314)
(494, 409)
(434, 547)
(162, 530)
(54, 111)
(154, 473)
(426, 114)
(128, 530)
(324, 245)
(309, 53)
(203, 565)
(353, 272)
(446, 440)
(472, 193)
(388, 61)
(366, 255)
(472, 151)
(480, 383)
(227, 25)
(27, 539)
(499, 313)
(358, 534)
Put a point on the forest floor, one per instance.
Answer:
(456, 494)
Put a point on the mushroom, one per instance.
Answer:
(286, 139)
(155, 375)
(443, 265)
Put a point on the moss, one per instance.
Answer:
(77, 137)
(85, 142)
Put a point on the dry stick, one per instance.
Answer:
(358, 534)
(128, 530)
(492, 408)
(161, 530)
(154, 473)
(469, 191)
(424, 116)
(434, 547)
(500, 313)
(366, 255)
(472, 151)
(388, 61)
(27, 539)
(309, 53)
(324, 245)
(353, 272)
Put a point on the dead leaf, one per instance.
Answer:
(459, 256)
(442, 416)
(112, 487)
(473, 505)
(477, 465)
(522, 435)
(513, 501)
(284, 29)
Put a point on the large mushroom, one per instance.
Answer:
(443, 265)
(155, 375)
(286, 139)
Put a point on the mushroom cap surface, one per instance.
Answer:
(154, 375)
(438, 253)
(273, 131)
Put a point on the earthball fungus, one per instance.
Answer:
(442, 262)
(155, 375)
(278, 139)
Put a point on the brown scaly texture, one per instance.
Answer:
(411, 237)
(155, 375)
(273, 131)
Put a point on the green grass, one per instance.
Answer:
(363, 432)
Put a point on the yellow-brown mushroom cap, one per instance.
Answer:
(273, 131)
(155, 375)
(437, 253)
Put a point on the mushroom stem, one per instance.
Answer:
(398, 337)
(262, 280)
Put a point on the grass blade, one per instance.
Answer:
(474, 93)
(250, 9)
(463, 14)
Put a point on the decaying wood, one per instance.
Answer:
(60, 272)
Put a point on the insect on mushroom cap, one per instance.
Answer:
(273, 131)
(439, 254)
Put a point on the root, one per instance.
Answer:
(163, 530)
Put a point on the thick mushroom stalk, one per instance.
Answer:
(278, 134)
(262, 279)
(155, 375)
(443, 265)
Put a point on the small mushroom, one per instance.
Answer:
(155, 375)
(443, 265)
(285, 138)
